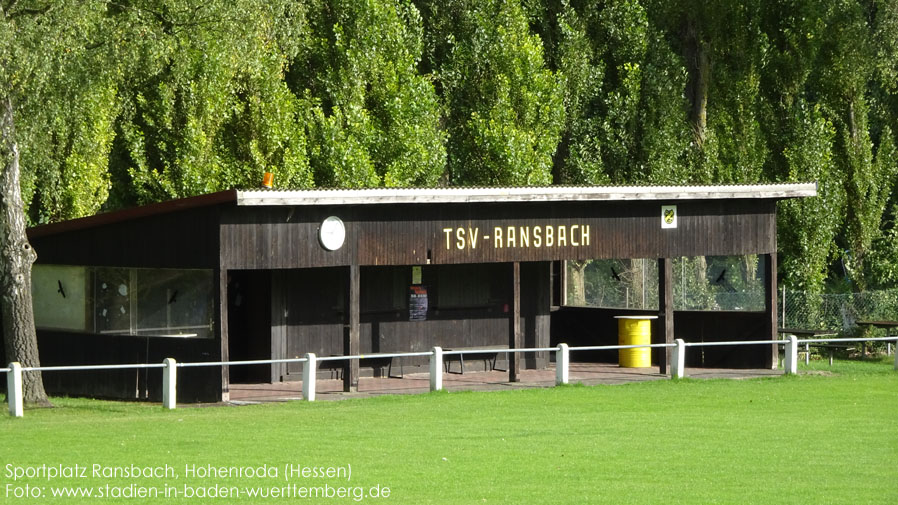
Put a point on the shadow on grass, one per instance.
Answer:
(70, 404)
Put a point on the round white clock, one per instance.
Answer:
(332, 233)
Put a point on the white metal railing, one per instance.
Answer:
(562, 363)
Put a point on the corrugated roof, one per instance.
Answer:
(521, 194)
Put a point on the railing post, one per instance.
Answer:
(896, 355)
(791, 358)
(436, 369)
(309, 374)
(562, 360)
(678, 357)
(14, 389)
(169, 384)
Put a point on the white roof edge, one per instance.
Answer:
(521, 194)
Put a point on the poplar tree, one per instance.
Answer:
(374, 119)
(504, 107)
(205, 106)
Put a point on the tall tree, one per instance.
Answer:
(807, 227)
(504, 107)
(848, 69)
(375, 120)
(206, 107)
(39, 43)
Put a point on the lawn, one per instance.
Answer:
(827, 436)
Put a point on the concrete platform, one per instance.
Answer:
(585, 373)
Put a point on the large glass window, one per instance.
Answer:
(699, 283)
(719, 283)
(60, 296)
(127, 301)
(613, 283)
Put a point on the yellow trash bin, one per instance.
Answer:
(635, 330)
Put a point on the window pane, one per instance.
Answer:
(112, 300)
(613, 283)
(719, 283)
(174, 302)
(130, 301)
(60, 297)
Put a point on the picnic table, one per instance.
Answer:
(808, 333)
(885, 324)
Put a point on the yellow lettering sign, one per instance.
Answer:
(519, 237)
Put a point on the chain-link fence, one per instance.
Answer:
(798, 309)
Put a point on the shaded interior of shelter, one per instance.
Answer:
(293, 312)
(304, 311)
(290, 312)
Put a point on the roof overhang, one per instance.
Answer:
(521, 194)
(385, 196)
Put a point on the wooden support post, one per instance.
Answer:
(351, 347)
(514, 341)
(665, 312)
(222, 316)
(278, 333)
(770, 332)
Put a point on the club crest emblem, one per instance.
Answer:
(668, 216)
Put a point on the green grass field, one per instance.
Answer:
(829, 436)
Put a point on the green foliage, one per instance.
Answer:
(64, 103)
(127, 102)
(375, 120)
(583, 73)
(807, 227)
(870, 185)
(208, 109)
(68, 174)
(505, 108)
(624, 114)
(882, 264)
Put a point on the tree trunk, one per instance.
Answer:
(698, 66)
(857, 192)
(576, 294)
(16, 257)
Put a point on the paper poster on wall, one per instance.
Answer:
(417, 303)
(416, 275)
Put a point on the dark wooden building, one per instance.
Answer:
(243, 275)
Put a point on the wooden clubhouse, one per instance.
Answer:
(264, 274)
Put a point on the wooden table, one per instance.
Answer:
(886, 324)
(809, 333)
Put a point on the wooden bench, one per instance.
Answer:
(489, 357)
(808, 333)
(832, 348)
